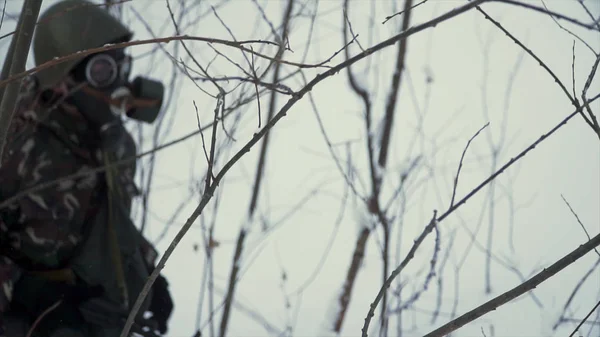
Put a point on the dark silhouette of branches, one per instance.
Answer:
(435, 221)
(207, 194)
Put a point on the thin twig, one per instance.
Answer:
(411, 253)
(588, 82)
(578, 220)
(573, 85)
(387, 18)
(585, 319)
(519, 156)
(256, 80)
(568, 31)
(3, 13)
(201, 133)
(575, 291)
(460, 164)
(432, 264)
(83, 53)
(597, 21)
(352, 30)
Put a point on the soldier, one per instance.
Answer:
(71, 260)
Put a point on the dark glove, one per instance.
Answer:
(35, 295)
(161, 305)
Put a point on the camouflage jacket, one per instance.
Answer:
(40, 228)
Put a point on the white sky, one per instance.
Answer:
(457, 54)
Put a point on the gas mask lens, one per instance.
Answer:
(102, 71)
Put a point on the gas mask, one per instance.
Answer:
(106, 89)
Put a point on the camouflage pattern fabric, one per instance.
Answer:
(40, 230)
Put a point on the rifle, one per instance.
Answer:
(108, 315)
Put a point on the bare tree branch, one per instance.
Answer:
(391, 103)
(578, 220)
(591, 26)
(435, 221)
(460, 164)
(585, 319)
(405, 10)
(235, 267)
(15, 63)
(519, 290)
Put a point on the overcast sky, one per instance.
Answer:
(478, 76)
